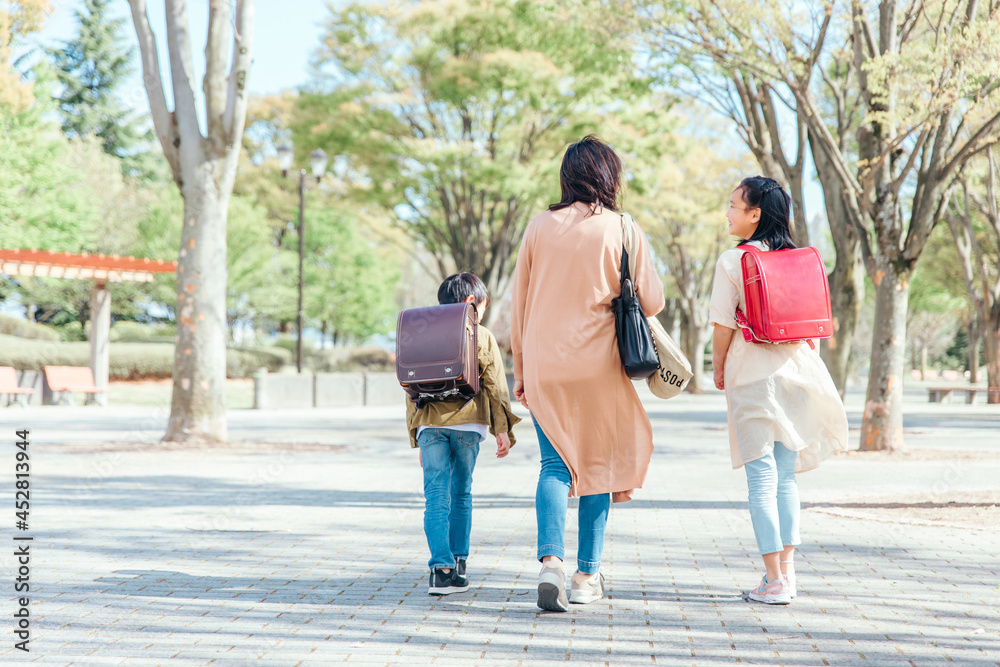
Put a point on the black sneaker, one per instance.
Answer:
(443, 583)
(460, 566)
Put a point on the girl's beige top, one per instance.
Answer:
(565, 351)
(774, 392)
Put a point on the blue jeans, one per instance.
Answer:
(774, 499)
(449, 457)
(551, 501)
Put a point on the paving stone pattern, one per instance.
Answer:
(316, 557)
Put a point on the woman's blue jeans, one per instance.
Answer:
(449, 457)
(551, 502)
(774, 499)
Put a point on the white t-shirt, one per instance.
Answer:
(481, 429)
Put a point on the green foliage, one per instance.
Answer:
(242, 362)
(451, 114)
(91, 68)
(40, 204)
(15, 326)
(349, 289)
(133, 332)
(346, 360)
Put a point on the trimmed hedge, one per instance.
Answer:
(133, 332)
(344, 360)
(129, 361)
(15, 326)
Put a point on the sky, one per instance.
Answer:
(286, 35)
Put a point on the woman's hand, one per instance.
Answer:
(720, 377)
(519, 394)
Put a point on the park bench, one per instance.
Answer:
(9, 386)
(943, 394)
(67, 379)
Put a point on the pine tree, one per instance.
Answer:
(91, 69)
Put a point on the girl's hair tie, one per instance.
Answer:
(774, 186)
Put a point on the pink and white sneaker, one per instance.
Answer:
(775, 592)
(790, 576)
(790, 582)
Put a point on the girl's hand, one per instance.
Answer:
(519, 393)
(420, 457)
(503, 445)
(720, 377)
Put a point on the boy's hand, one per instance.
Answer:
(519, 393)
(503, 445)
(420, 457)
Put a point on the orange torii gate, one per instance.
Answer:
(102, 269)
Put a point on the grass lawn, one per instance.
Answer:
(239, 393)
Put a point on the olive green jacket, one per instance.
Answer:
(491, 406)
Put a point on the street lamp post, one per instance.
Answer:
(317, 162)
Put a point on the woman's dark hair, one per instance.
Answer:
(774, 227)
(459, 287)
(590, 173)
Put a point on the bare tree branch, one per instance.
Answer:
(163, 123)
(214, 83)
(181, 74)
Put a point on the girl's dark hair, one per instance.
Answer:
(459, 287)
(590, 173)
(774, 227)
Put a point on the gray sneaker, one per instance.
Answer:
(589, 591)
(552, 589)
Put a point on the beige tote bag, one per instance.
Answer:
(675, 370)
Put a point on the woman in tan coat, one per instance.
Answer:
(594, 436)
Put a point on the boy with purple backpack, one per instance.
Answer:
(448, 434)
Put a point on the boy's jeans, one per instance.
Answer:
(551, 499)
(774, 499)
(449, 457)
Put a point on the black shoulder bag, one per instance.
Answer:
(635, 340)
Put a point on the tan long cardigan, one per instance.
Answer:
(565, 351)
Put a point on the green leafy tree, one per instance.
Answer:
(40, 204)
(350, 288)
(452, 114)
(91, 68)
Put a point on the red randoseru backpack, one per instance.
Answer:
(787, 296)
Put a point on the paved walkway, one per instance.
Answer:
(314, 555)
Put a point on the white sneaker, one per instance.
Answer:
(589, 591)
(552, 589)
(775, 592)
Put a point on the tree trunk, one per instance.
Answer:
(975, 339)
(882, 427)
(847, 287)
(991, 340)
(923, 360)
(198, 407)
(668, 316)
(847, 280)
(696, 338)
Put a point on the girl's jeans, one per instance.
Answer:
(774, 499)
(551, 500)
(449, 457)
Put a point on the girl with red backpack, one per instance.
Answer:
(785, 414)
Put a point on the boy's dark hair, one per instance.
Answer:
(459, 287)
(775, 206)
(590, 173)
